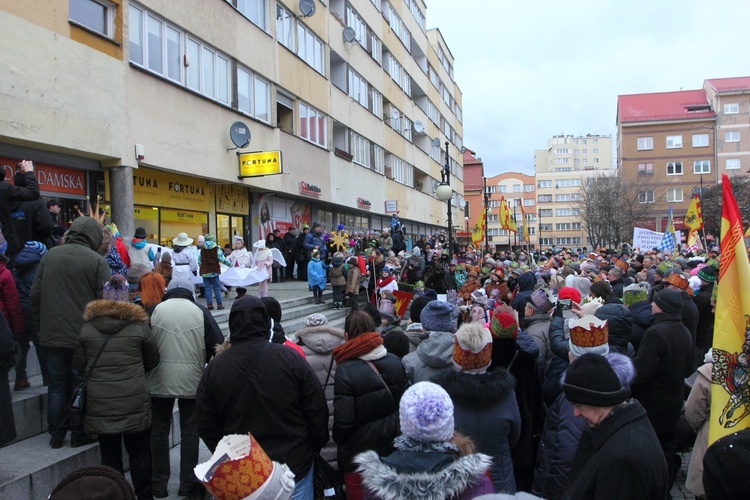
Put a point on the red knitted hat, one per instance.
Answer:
(571, 293)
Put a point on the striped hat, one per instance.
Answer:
(37, 247)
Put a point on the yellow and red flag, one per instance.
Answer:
(730, 390)
(504, 214)
(477, 234)
(525, 224)
(402, 301)
(694, 215)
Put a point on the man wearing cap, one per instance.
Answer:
(705, 330)
(290, 251)
(664, 359)
(303, 256)
(618, 457)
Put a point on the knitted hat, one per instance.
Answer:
(571, 293)
(637, 292)
(540, 300)
(135, 272)
(95, 482)
(166, 257)
(504, 326)
(140, 232)
(669, 301)
(116, 288)
(417, 305)
(472, 348)
(37, 247)
(251, 475)
(316, 319)
(725, 467)
(426, 413)
(210, 237)
(315, 224)
(438, 316)
(396, 342)
(590, 380)
(181, 283)
(707, 274)
(588, 334)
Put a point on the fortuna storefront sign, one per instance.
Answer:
(260, 163)
(309, 189)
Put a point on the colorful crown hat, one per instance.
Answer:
(588, 332)
(678, 280)
(540, 299)
(503, 325)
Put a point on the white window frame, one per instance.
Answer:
(295, 36)
(646, 196)
(254, 82)
(731, 108)
(285, 27)
(733, 164)
(675, 170)
(698, 140)
(359, 148)
(674, 195)
(255, 11)
(732, 136)
(701, 167)
(357, 87)
(674, 141)
(307, 112)
(544, 184)
(645, 143)
(563, 212)
(108, 16)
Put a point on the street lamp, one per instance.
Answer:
(468, 236)
(444, 192)
(539, 229)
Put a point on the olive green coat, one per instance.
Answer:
(117, 399)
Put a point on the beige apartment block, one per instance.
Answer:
(730, 100)
(134, 101)
(561, 172)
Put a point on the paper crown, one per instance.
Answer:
(588, 331)
(678, 280)
(251, 476)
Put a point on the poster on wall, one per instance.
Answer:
(278, 213)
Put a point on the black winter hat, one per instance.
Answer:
(590, 380)
(725, 467)
(669, 301)
(140, 232)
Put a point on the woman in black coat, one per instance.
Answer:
(367, 390)
(8, 356)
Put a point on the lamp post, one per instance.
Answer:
(468, 236)
(444, 192)
(539, 229)
(486, 211)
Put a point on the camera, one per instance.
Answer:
(18, 167)
(564, 304)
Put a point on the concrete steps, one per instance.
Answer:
(30, 469)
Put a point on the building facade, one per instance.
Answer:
(730, 100)
(134, 102)
(561, 172)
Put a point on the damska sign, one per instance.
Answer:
(51, 179)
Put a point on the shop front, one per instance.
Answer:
(232, 208)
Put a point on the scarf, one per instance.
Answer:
(138, 243)
(357, 347)
(385, 281)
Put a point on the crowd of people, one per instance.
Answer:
(559, 374)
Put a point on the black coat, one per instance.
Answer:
(365, 411)
(663, 361)
(690, 318)
(281, 403)
(642, 317)
(617, 287)
(619, 459)
(10, 193)
(486, 411)
(619, 326)
(705, 331)
(526, 284)
(8, 357)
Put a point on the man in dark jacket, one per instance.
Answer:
(10, 193)
(302, 256)
(290, 251)
(314, 241)
(526, 282)
(663, 361)
(615, 281)
(705, 332)
(618, 457)
(31, 221)
(635, 298)
(279, 399)
(68, 277)
(675, 280)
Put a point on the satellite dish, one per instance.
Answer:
(307, 7)
(349, 34)
(418, 126)
(436, 142)
(240, 134)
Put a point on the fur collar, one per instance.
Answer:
(477, 389)
(113, 309)
(405, 443)
(388, 484)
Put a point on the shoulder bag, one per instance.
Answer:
(77, 405)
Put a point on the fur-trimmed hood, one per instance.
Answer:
(450, 481)
(111, 316)
(477, 389)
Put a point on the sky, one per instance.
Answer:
(533, 69)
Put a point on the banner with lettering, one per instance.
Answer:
(51, 179)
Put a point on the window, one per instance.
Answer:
(584, 151)
(732, 136)
(567, 183)
(528, 188)
(646, 196)
(359, 26)
(253, 94)
(702, 167)
(700, 140)
(96, 15)
(545, 212)
(312, 125)
(357, 88)
(295, 36)
(378, 158)
(563, 212)
(544, 184)
(733, 163)
(418, 15)
(502, 189)
(576, 226)
(562, 151)
(398, 74)
(171, 53)
(562, 226)
(568, 197)
(516, 188)
(674, 195)
(731, 108)
(596, 151)
(528, 202)
(545, 227)
(544, 198)
(674, 168)
(254, 10)
(359, 149)
(645, 143)
(397, 25)
(674, 141)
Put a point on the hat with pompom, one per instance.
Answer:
(504, 326)
(316, 319)
(426, 413)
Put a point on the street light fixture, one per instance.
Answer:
(444, 192)
(539, 229)
(468, 236)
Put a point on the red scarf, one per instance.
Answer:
(358, 346)
(384, 281)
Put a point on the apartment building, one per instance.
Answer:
(561, 172)
(667, 148)
(730, 100)
(342, 110)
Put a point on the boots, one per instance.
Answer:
(21, 384)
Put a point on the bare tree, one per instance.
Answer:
(712, 198)
(608, 206)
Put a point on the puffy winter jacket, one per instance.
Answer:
(642, 317)
(365, 411)
(619, 325)
(526, 284)
(432, 356)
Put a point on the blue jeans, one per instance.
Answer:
(303, 490)
(62, 378)
(212, 285)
